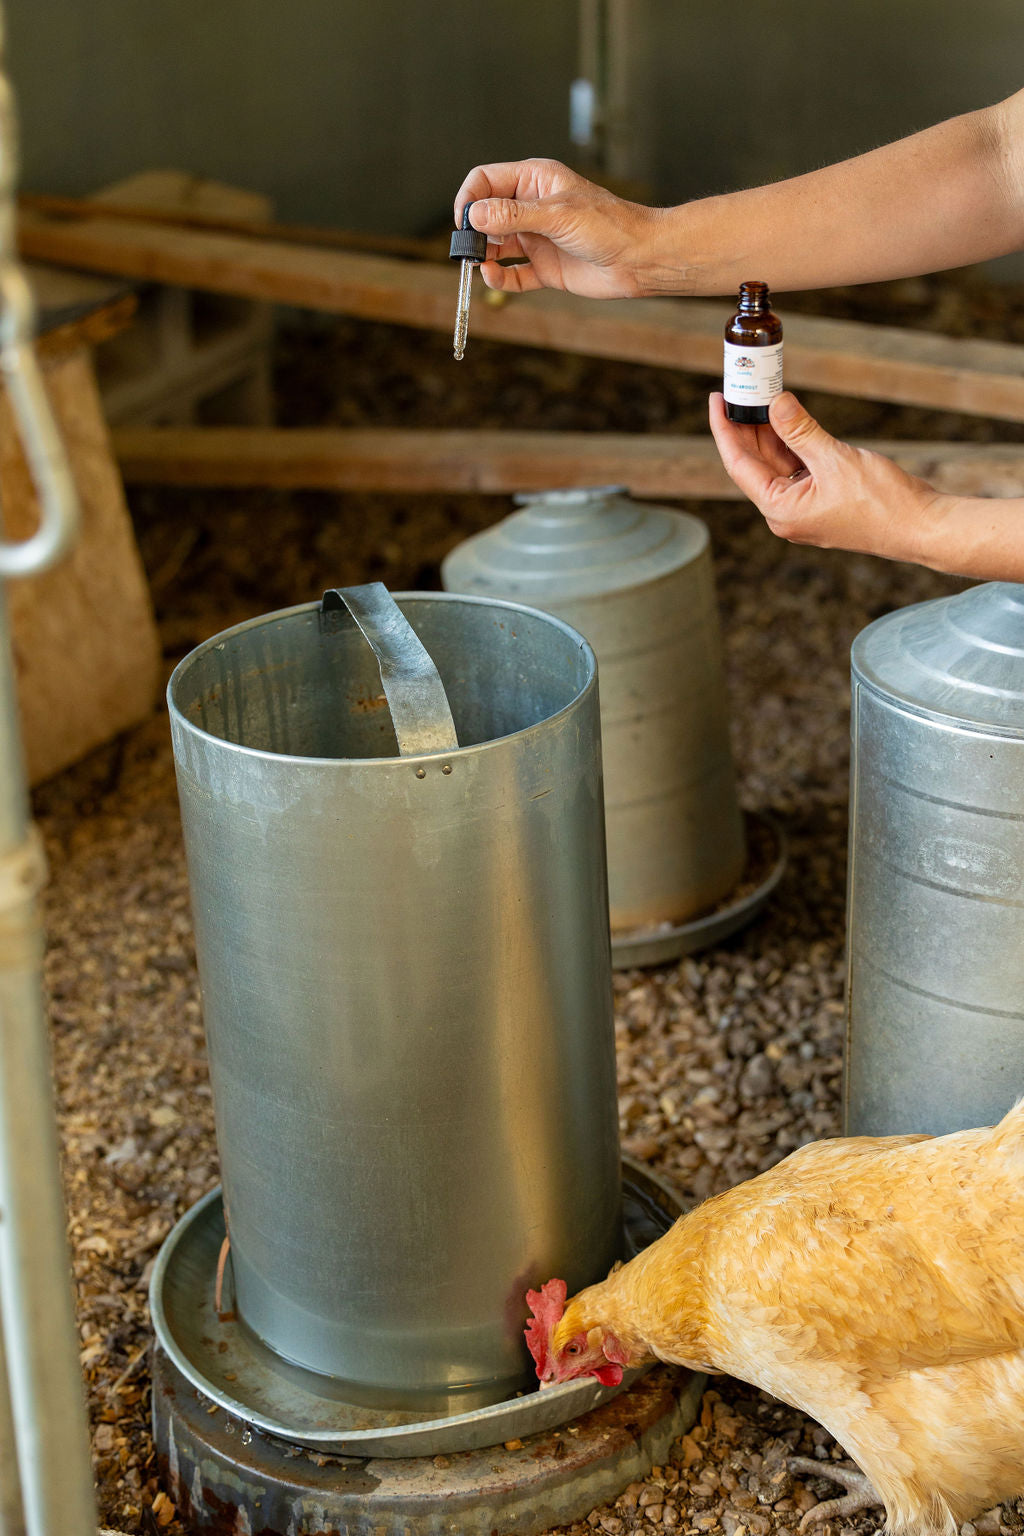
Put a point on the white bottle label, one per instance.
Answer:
(752, 375)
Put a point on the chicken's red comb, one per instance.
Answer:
(547, 1306)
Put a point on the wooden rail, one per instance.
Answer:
(415, 461)
(841, 356)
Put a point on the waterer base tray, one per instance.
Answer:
(656, 946)
(233, 1371)
(224, 1476)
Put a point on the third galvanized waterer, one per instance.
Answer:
(936, 892)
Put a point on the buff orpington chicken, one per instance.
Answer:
(877, 1283)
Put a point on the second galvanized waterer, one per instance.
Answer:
(637, 580)
(935, 999)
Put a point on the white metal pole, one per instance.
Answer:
(44, 1412)
(43, 1371)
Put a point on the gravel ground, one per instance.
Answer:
(727, 1061)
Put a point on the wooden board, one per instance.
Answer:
(187, 352)
(85, 642)
(169, 193)
(77, 309)
(198, 205)
(842, 356)
(389, 459)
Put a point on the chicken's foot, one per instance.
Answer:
(860, 1494)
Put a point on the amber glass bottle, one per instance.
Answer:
(752, 374)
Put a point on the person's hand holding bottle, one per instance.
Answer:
(947, 196)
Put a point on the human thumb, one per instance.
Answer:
(500, 216)
(797, 427)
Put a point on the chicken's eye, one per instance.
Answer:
(572, 1349)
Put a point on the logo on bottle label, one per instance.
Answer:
(752, 376)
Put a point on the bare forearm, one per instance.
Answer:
(813, 489)
(944, 197)
(973, 536)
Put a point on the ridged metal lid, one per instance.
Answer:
(579, 543)
(960, 658)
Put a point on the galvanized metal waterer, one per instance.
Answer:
(400, 907)
(637, 580)
(935, 999)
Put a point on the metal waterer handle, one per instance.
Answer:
(46, 1483)
(419, 706)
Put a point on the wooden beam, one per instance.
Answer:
(205, 218)
(415, 461)
(75, 310)
(93, 328)
(841, 356)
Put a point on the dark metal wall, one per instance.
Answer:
(368, 114)
(359, 112)
(734, 96)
